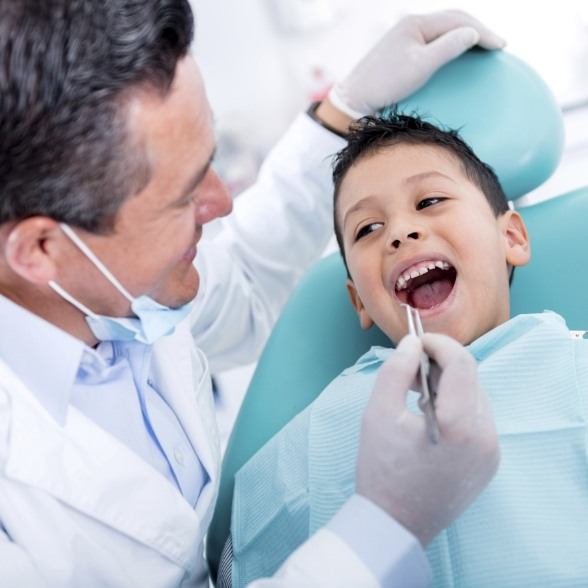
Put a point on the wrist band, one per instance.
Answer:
(342, 106)
(312, 113)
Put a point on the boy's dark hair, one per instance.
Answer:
(67, 68)
(373, 133)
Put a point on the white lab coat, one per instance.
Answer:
(77, 507)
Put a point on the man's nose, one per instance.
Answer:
(213, 199)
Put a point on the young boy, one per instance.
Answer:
(420, 220)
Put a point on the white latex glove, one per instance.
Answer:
(426, 486)
(406, 57)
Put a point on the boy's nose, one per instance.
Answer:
(397, 242)
(213, 199)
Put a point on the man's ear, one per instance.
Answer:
(29, 249)
(517, 246)
(364, 319)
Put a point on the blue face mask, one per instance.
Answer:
(152, 320)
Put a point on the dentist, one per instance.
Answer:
(109, 460)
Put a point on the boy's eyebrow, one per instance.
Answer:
(425, 175)
(364, 202)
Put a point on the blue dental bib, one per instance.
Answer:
(526, 529)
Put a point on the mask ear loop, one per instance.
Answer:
(92, 257)
(67, 296)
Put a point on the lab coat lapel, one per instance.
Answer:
(181, 375)
(92, 472)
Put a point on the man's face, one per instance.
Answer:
(156, 232)
(416, 230)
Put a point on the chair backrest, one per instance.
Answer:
(510, 118)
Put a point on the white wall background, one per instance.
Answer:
(259, 57)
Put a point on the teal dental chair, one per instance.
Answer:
(508, 115)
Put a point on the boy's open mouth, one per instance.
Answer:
(426, 284)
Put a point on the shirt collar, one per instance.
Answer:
(43, 356)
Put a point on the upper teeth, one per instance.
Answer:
(417, 270)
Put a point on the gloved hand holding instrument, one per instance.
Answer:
(441, 479)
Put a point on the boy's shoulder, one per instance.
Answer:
(517, 348)
(370, 361)
(517, 328)
(520, 332)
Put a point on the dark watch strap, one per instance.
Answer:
(312, 113)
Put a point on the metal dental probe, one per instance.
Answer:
(428, 395)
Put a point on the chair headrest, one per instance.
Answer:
(502, 109)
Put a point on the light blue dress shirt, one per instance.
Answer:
(110, 385)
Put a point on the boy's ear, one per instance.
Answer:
(518, 249)
(364, 319)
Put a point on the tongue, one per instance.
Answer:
(430, 294)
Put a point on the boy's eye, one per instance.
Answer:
(430, 201)
(366, 230)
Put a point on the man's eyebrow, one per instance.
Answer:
(197, 178)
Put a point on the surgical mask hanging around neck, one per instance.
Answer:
(152, 320)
